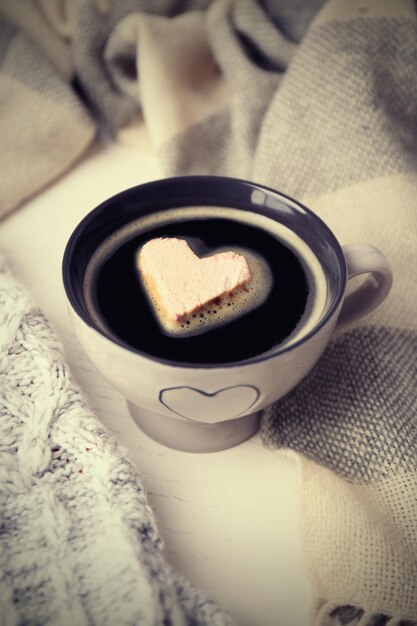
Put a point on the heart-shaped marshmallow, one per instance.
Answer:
(180, 283)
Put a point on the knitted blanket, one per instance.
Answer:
(78, 542)
(315, 99)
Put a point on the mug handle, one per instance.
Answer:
(364, 259)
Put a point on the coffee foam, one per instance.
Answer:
(313, 270)
(223, 309)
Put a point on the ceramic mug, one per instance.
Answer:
(207, 407)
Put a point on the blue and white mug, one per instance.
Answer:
(203, 407)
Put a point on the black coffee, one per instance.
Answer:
(122, 306)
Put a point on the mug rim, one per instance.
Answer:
(94, 214)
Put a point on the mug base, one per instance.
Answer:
(190, 436)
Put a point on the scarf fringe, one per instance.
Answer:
(336, 614)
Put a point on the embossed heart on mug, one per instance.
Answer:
(180, 283)
(209, 407)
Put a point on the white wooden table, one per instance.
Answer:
(229, 519)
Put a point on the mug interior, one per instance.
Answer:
(185, 191)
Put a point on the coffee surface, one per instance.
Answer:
(119, 303)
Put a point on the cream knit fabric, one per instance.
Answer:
(226, 87)
(78, 541)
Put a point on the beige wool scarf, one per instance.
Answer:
(319, 103)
